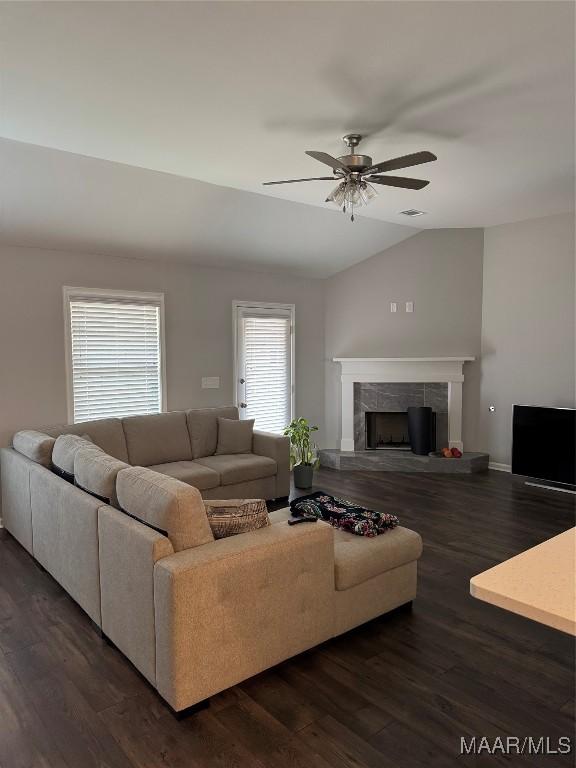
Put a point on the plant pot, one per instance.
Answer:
(303, 476)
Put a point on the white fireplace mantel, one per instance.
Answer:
(403, 370)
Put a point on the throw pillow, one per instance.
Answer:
(36, 446)
(95, 472)
(168, 505)
(233, 516)
(63, 453)
(234, 436)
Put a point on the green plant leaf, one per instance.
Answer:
(302, 448)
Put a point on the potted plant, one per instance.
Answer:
(303, 452)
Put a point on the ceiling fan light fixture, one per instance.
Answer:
(351, 193)
(367, 192)
(338, 194)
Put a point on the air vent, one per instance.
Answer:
(412, 212)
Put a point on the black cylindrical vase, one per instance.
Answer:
(420, 429)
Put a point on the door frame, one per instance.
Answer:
(263, 305)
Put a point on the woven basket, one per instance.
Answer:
(233, 516)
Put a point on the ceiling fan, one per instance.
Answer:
(357, 173)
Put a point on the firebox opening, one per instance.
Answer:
(387, 430)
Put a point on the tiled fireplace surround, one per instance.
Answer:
(390, 396)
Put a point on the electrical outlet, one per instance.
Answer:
(409, 306)
(393, 306)
(211, 382)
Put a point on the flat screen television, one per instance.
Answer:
(543, 443)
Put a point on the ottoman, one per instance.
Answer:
(371, 575)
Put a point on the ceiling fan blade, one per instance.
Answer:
(417, 158)
(295, 181)
(397, 181)
(324, 157)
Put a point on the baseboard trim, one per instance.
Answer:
(499, 467)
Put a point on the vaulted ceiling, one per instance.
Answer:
(155, 123)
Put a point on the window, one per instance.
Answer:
(264, 366)
(114, 353)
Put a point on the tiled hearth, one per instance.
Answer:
(401, 461)
(398, 397)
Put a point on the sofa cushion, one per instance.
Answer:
(234, 436)
(240, 467)
(165, 504)
(157, 438)
(105, 433)
(357, 559)
(203, 428)
(36, 446)
(264, 488)
(190, 472)
(96, 472)
(64, 451)
(280, 515)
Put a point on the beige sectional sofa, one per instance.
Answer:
(182, 444)
(193, 614)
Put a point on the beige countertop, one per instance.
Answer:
(539, 583)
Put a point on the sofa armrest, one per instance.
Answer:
(128, 550)
(229, 609)
(276, 447)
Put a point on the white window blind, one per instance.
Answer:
(265, 353)
(115, 356)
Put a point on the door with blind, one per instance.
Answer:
(264, 364)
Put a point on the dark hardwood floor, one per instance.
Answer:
(399, 692)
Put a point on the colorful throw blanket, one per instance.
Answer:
(343, 514)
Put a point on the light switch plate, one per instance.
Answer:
(409, 306)
(211, 382)
(393, 306)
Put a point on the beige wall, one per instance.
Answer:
(507, 293)
(441, 272)
(527, 324)
(198, 329)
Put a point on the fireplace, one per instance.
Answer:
(381, 414)
(414, 430)
(386, 430)
(394, 384)
(427, 391)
